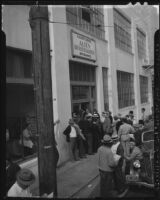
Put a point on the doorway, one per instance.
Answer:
(83, 86)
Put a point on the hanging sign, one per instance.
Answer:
(83, 46)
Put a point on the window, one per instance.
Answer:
(144, 89)
(82, 72)
(20, 106)
(122, 32)
(105, 88)
(19, 111)
(125, 86)
(19, 63)
(86, 15)
(141, 44)
(87, 18)
(80, 92)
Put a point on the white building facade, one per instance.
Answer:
(97, 54)
(130, 36)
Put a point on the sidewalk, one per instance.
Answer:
(75, 178)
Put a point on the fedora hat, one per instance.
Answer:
(25, 177)
(89, 115)
(95, 115)
(115, 137)
(106, 139)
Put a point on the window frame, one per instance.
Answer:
(144, 90)
(120, 21)
(125, 99)
(97, 17)
(141, 43)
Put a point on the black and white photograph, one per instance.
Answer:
(80, 100)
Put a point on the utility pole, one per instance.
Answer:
(47, 154)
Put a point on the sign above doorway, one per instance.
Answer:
(83, 47)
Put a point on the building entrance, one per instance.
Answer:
(83, 86)
(80, 106)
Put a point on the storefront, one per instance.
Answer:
(20, 100)
(82, 75)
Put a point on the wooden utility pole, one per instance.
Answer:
(47, 154)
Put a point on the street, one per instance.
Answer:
(133, 192)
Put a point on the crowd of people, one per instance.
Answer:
(116, 140)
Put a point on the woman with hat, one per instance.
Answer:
(106, 164)
(119, 176)
(24, 179)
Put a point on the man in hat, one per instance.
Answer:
(124, 134)
(118, 121)
(106, 164)
(72, 132)
(71, 137)
(89, 135)
(96, 131)
(136, 154)
(143, 114)
(107, 126)
(24, 179)
(118, 175)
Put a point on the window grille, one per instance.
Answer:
(82, 72)
(141, 44)
(122, 32)
(87, 18)
(144, 89)
(125, 86)
(105, 88)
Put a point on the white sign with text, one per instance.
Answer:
(83, 46)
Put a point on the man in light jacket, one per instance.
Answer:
(106, 165)
(72, 132)
(124, 135)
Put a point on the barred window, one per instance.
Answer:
(122, 32)
(86, 15)
(105, 88)
(87, 18)
(144, 89)
(81, 72)
(125, 86)
(141, 44)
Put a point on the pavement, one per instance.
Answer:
(75, 179)
(80, 179)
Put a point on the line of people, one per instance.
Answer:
(119, 153)
(85, 132)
